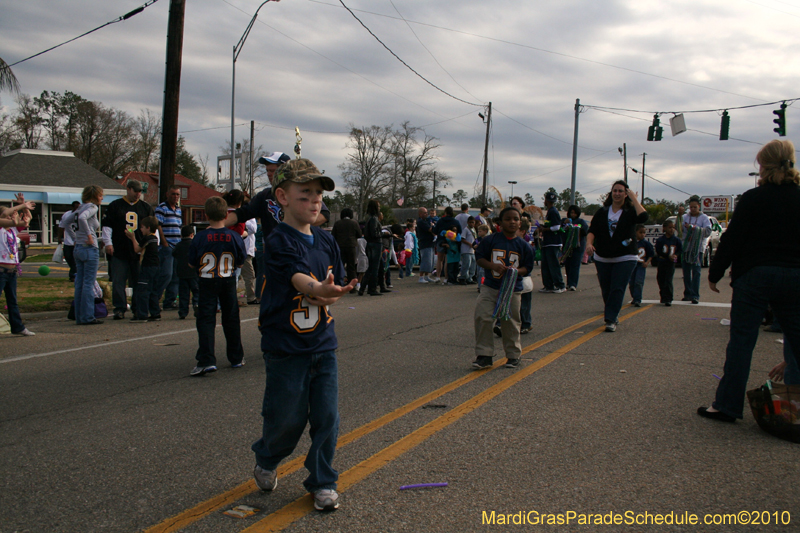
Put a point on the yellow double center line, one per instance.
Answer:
(303, 506)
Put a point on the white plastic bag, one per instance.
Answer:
(58, 255)
(527, 284)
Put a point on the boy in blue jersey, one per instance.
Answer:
(495, 254)
(668, 250)
(216, 253)
(304, 274)
(646, 253)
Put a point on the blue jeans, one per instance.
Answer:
(8, 285)
(144, 293)
(426, 260)
(410, 263)
(222, 291)
(573, 265)
(301, 389)
(791, 374)
(691, 281)
(467, 267)
(87, 261)
(167, 280)
(186, 286)
(122, 271)
(778, 287)
(525, 310)
(551, 269)
(637, 282)
(613, 278)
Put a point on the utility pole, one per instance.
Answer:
(434, 189)
(252, 135)
(625, 160)
(643, 156)
(172, 93)
(575, 151)
(486, 152)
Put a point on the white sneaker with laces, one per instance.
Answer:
(423, 280)
(326, 500)
(26, 333)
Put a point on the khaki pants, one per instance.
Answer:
(484, 338)
(249, 279)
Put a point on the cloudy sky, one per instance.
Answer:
(309, 63)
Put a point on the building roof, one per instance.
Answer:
(43, 168)
(197, 192)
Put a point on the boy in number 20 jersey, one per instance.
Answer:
(216, 253)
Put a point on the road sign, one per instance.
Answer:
(716, 204)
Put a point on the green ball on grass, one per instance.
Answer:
(44, 270)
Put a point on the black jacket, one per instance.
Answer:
(764, 231)
(607, 246)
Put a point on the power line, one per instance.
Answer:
(431, 53)
(569, 143)
(406, 64)
(719, 110)
(503, 41)
(126, 16)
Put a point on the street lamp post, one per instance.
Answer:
(512, 187)
(236, 50)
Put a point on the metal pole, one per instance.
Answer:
(643, 156)
(252, 135)
(625, 160)
(434, 189)
(172, 92)
(233, 100)
(575, 151)
(486, 153)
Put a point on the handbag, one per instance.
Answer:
(527, 284)
(100, 309)
(58, 255)
(776, 409)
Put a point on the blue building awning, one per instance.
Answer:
(60, 197)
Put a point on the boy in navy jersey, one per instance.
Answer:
(304, 274)
(145, 296)
(646, 253)
(668, 250)
(216, 253)
(495, 254)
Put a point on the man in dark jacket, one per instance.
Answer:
(346, 231)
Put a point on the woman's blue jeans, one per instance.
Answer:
(691, 281)
(8, 285)
(87, 261)
(301, 389)
(573, 266)
(757, 288)
(613, 278)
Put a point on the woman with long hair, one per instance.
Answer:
(762, 247)
(87, 255)
(612, 240)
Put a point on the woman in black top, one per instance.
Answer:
(572, 264)
(762, 247)
(372, 234)
(612, 240)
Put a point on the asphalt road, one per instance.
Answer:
(102, 429)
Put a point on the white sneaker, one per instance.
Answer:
(326, 500)
(358, 286)
(434, 279)
(26, 333)
(558, 291)
(265, 479)
(545, 290)
(423, 280)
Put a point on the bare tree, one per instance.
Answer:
(367, 170)
(414, 164)
(147, 128)
(28, 122)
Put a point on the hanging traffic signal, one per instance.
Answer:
(780, 121)
(724, 126)
(655, 131)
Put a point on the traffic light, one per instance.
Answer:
(780, 121)
(723, 129)
(655, 130)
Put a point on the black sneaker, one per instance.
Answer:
(202, 370)
(482, 362)
(118, 315)
(695, 301)
(137, 320)
(154, 318)
(611, 327)
(512, 363)
(497, 331)
(637, 304)
(169, 307)
(668, 304)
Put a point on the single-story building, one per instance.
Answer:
(53, 180)
(193, 194)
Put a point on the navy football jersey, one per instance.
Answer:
(216, 253)
(287, 322)
(497, 248)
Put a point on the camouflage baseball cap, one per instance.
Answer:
(301, 171)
